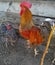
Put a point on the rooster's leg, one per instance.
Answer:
(6, 43)
(12, 41)
(35, 52)
(28, 44)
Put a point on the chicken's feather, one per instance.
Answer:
(29, 30)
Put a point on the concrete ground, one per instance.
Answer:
(20, 55)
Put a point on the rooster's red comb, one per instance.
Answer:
(27, 4)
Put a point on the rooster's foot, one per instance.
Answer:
(35, 52)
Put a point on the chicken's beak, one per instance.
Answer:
(22, 11)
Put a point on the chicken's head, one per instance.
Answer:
(23, 6)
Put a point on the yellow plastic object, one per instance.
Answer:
(48, 43)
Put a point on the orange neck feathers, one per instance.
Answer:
(26, 19)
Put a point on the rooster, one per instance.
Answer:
(27, 28)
